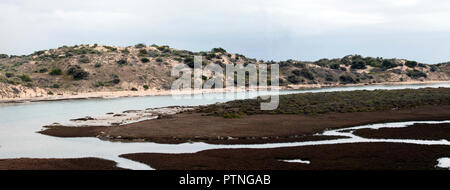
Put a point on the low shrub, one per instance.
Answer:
(140, 45)
(84, 59)
(411, 64)
(358, 65)
(416, 74)
(9, 75)
(145, 60)
(56, 72)
(307, 74)
(77, 73)
(218, 50)
(345, 79)
(25, 78)
(43, 70)
(122, 62)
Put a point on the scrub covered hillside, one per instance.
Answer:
(100, 68)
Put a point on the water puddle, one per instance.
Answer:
(443, 163)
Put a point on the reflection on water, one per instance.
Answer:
(19, 123)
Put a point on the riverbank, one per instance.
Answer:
(154, 92)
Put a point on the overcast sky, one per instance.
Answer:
(269, 30)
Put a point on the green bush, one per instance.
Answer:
(335, 66)
(143, 52)
(416, 74)
(189, 61)
(145, 60)
(346, 79)
(375, 64)
(293, 79)
(99, 84)
(9, 75)
(163, 48)
(84, 59)
(98, 65)
(115, 80)
(307, 74)
(159, 60)
(55, 86)
(109, 48)
(387, 64)
(77, 73)
(140, 45)
(358, 65)
(411, 64)
(125, 51)
(218, 50)
(25, 78)
(122, 62)
(3, 56)
(329, 78)
(56, 72)
(134, 89)
(433, 68)
(43, 70)
(146, 87)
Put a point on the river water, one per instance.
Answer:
(20, 122)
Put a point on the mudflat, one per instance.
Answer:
(58, 164)
(249, 129)
(358, 156)
(416, 131)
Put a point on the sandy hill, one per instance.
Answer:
(99, 68)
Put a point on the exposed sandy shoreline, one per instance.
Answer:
(155, 92)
